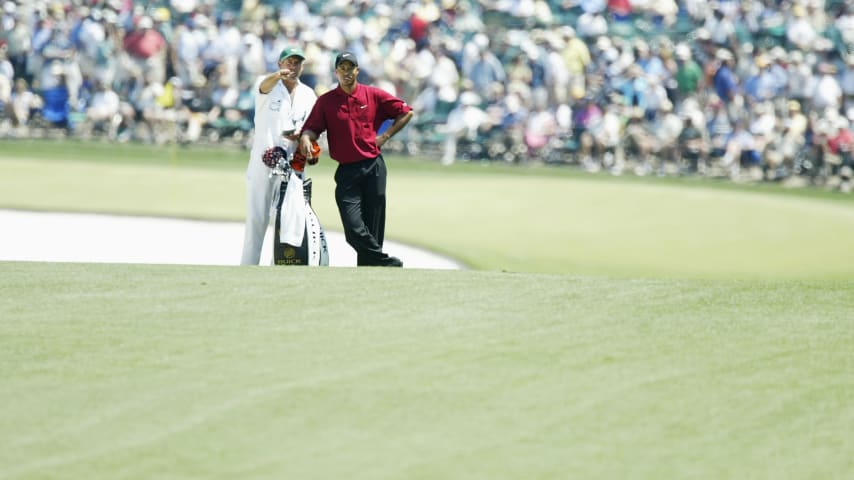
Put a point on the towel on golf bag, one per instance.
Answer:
(318, 251)
(293, 212)
(313, 250)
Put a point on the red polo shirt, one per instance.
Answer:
(352, 120)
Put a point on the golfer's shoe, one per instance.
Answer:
(391, 262)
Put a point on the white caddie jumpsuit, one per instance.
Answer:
(275, 112)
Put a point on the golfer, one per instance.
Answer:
(351, 114)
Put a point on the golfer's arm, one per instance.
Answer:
(307, 135)
(305, 139)
(395, 127)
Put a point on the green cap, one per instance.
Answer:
(291, 52)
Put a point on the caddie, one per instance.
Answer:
(282, 104)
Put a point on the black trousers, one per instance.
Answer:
(360, 195)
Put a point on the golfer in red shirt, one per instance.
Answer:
(351, 114)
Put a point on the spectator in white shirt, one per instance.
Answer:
(827, 94)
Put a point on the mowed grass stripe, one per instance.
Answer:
(219, 372)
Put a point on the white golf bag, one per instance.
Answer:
(299, 238)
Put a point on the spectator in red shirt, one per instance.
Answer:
(620, 9)
(144, 41)
(840, 145)
(351, 114)
(147, 48)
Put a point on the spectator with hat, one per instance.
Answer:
(725, 82)
(800, 32)
(147, 49)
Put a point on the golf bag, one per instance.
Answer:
(294, 206)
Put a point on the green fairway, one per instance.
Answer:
(494, 218)
(611, 328)
(226, 372)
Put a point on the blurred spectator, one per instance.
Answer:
(639, 143)
(519, 72)
(800, 32)
(539, 129)
(689, 75)
(487, 71)
(721, 26)
(252, 62)
(422, 17)
(656, 97)
(147, 49)
(58, 49)
(839, 146)
(726, 83)
(226, 48)
(846, 82)
(103, 110)
(742, 151)
(692, 146)
(633, 88)
(801, 81)
(576, 54)
(56, 97)
(90, 36)
(444, 75)
(190, 40)
(606, 133)
(557, 76)
(158, 105)
(7, 70)
(17, 36)
(719, 129)
(5, 96)
(23, 103)
(591, 23)
(763, 126)
(585, 114)
(652, 64)
(761, 85)
(620, 10)
(786, 143)
(827, 95)
(666, 129)
(465, 122)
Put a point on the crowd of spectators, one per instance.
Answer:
(749, 90)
